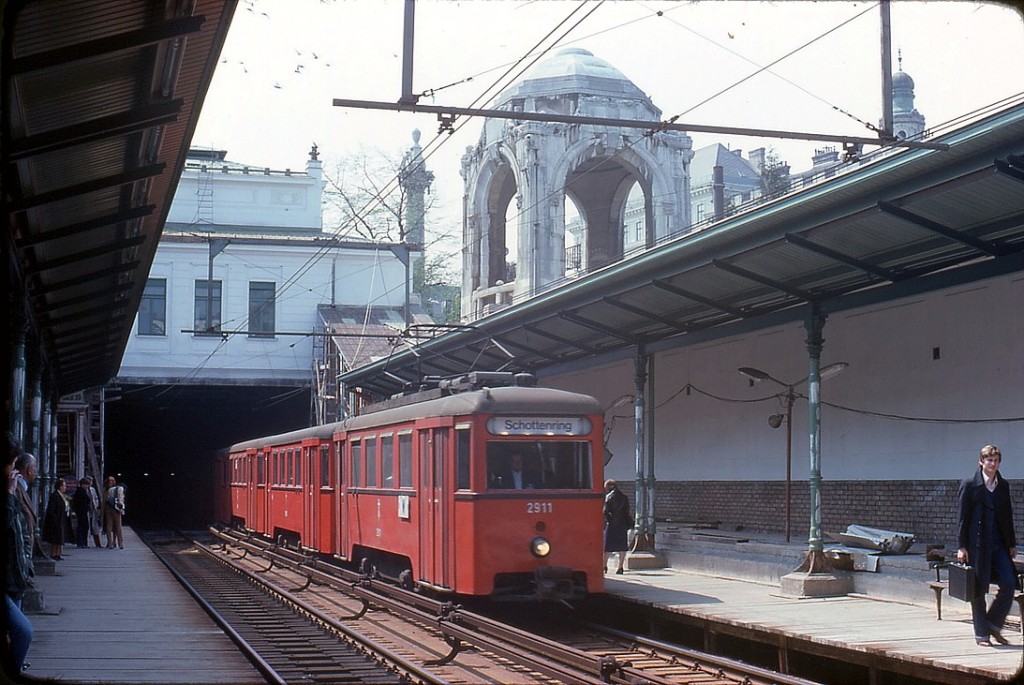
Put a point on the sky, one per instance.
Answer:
(285, 61)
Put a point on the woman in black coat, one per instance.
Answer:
(56, 524)
(617, 523)
(988, 542)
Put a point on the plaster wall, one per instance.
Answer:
(257, 198)
(931, 379)
(305, 276)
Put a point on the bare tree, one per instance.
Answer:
(365, 200)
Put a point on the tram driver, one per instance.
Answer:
(515, 475)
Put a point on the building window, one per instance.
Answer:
(700, 212)
(153, 308)
(640, 237)
(261, 309)
(207, 308)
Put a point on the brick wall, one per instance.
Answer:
(926, 508)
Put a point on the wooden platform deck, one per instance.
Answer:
(119, 616)
(867, 630)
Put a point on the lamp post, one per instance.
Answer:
(775, 420)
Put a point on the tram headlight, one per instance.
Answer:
(540, 547)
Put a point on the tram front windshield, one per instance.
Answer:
(539, 464)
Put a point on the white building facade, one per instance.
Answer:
(256, 236)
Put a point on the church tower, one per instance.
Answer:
(907, 122)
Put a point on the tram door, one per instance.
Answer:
(257, 492)
(435, 493)
(344, 547)
(304, 476)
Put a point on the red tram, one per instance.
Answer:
(421, 489)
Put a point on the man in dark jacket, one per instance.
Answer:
(18, 629)
(988, 542)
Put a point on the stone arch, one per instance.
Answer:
(599, 182)
(593, 166)
(490, 192)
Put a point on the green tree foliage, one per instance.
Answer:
(774, 176)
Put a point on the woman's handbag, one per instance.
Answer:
(962, 582)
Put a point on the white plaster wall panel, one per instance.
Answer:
(978, 329)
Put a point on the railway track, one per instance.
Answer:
(439, 642)
(282, 644)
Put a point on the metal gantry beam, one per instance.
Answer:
(84, 226)
(90, 49)
(446, 116)
(598, 327)
(842, 257)
(95, 185)
(763, 280)
(986, 246)
(646, 314)
(559, 339)
(700, 299)
(102, 128)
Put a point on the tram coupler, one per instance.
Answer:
(552, 582)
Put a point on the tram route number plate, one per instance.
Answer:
(539, 508)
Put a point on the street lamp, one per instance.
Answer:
(775, 420)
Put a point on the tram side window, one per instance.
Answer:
(357, 462)
(462, 458)
(387, 461)
(290, 465)
(547, 464)
(260, 466)
(325, 466)
(405, 460)
(370, 445)
(298, 467)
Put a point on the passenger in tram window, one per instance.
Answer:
(17, 629)
(57, 521)
(617, 523)
(515, 475)
(988, 542)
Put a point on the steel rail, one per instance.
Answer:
(378, 652)
(460, 626)
(454, 624)
(250, 652)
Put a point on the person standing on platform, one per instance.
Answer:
(80, 502)
(113, 511)
(18, 630)
(617, 522)
(27, 469)
(56, 521)
(987, 541)
(95, 515)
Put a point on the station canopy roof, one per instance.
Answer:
(100, 101)
(908, 222)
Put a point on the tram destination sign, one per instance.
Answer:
(538, 425)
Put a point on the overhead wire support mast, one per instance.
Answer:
(447, 114)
